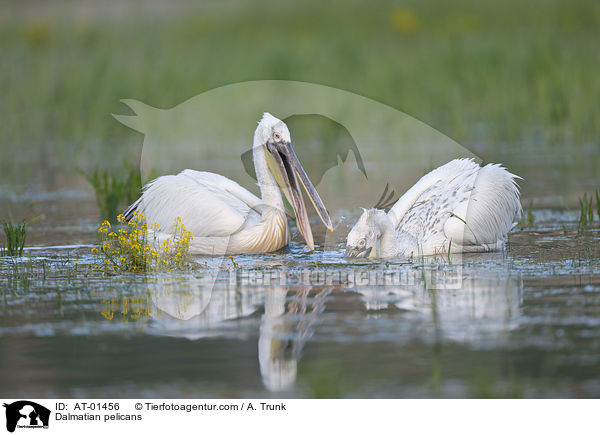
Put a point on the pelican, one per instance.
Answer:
(225, 218)
(458, 207)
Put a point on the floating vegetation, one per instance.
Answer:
(21, 274)
(134, 247)
(115, 190)
(15, 238)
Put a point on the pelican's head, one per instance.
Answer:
(274, 135)
(365, 237)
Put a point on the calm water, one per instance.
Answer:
(523, 323)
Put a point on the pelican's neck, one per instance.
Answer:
(393, 243)
(269, 189)
(387, 240)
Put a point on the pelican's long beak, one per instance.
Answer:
(289, 174)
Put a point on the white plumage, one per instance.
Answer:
(225, 218)
(222, 216)
(460, 206)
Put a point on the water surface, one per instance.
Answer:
(519, 323)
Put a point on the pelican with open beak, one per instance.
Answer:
(225, 218)
(289, 173)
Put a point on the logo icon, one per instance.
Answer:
(26, 414)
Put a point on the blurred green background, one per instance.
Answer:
(515, 82)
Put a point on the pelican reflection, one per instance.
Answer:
(191, 307)
(482, 310)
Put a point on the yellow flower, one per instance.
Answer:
(133, 249)
(405, 21)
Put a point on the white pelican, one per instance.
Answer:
(225, 218)
(460, 207)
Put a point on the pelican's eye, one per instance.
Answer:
(277, 136)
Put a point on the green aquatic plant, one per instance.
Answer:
(15, 234)
(115, 189)
(598, 203)
(233, 262)
(586, 211)
(528, 219)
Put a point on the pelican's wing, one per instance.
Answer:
(454, 173)
(471, 206)
(208, 204)
(433, 198)
(485, 217)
